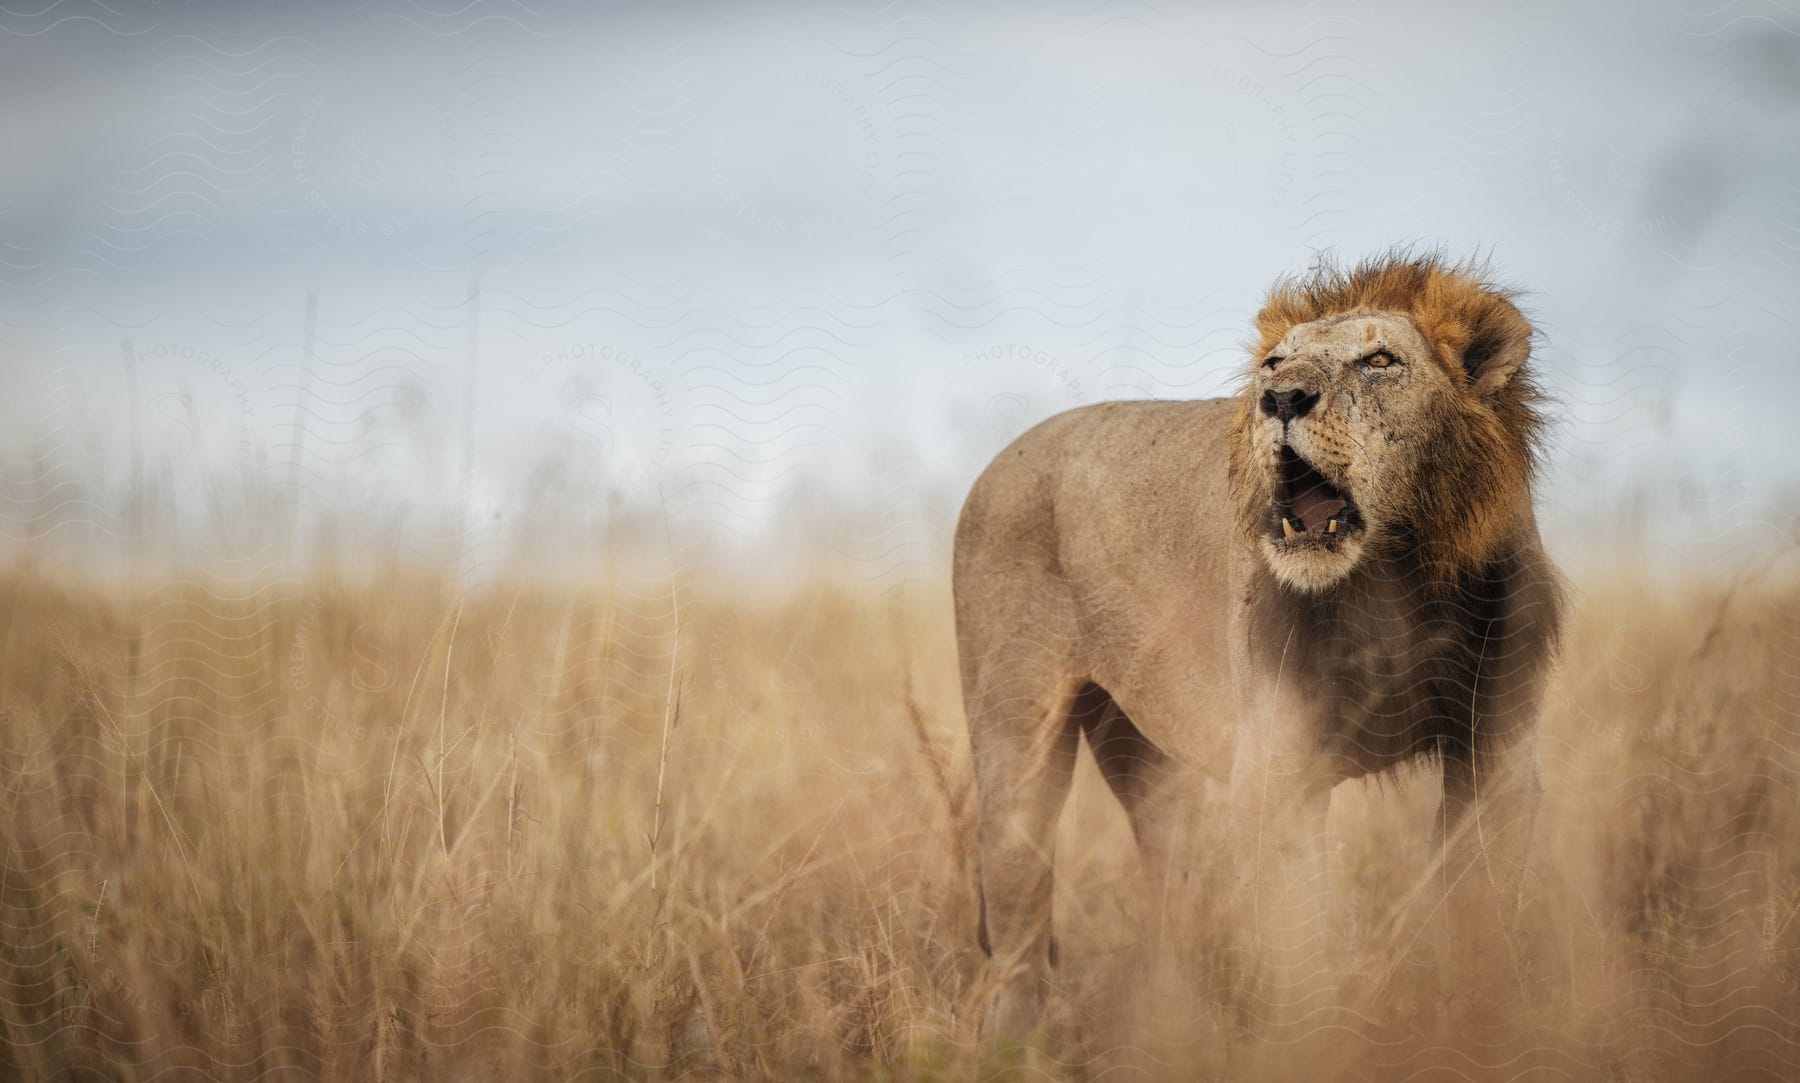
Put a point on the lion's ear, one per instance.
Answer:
(1499, 343)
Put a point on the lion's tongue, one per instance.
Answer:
(1316, 506)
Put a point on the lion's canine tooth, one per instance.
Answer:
(1287, 528)
(1331, 527)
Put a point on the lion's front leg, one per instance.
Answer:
(1280, 794)
(1486, 824)
(1486, 834)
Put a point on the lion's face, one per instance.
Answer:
(1337, 404)
(1365, 432)
(1388, 411)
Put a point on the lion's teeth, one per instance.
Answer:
(1287, 528)
(1331, 527)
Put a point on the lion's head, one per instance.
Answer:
(1388, 410)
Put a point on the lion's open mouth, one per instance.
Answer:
(1308, 507)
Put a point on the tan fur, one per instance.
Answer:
(1121, 572)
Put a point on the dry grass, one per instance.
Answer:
(378, 829)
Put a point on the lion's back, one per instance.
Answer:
(1107, 499)
(1100, 469)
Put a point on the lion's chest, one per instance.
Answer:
(1390, 682)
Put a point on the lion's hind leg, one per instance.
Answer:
(1140, 775)
(1023, 778)
(1019, 692)
(1169, 1001)
(1130, 763)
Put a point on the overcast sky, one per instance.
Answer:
(765, 259)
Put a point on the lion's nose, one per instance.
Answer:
(1290, 405)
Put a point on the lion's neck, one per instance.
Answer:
(1397, 663)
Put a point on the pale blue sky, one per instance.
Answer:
(757, 255)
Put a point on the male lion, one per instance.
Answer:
(1334, 572)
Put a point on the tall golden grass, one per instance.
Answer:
(373, 827)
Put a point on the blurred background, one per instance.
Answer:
(501, 281)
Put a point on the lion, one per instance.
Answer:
(1332, 573)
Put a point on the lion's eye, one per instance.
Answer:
(1272, 360)
(1380, 359)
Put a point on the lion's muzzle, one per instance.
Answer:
(1310, 511)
